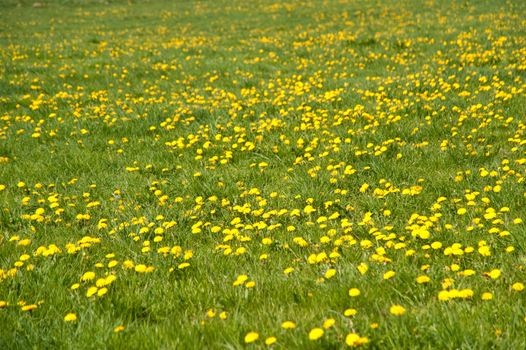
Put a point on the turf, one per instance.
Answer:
(194, 174)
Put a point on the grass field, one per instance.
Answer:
(253, 174)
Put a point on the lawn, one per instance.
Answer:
(262, 174)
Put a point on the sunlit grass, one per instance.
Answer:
(229, 174)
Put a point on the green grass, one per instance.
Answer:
(221, 122)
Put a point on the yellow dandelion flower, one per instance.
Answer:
(397, 310)
(350, 312)
(270, 340)
(494, 274)
(70, 317)
(389, 274)
(328, 323)
(422, 279)
(140, 268)
(288, 325)
(487, 296)
(251, 337)
(88, 276)
(354, 292)
(91, 291)
(316, 333)
(353, 339)
(29, 307)
(330, 273)
(362, 268)
(517, 287)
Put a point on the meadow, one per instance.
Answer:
(262, 174)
